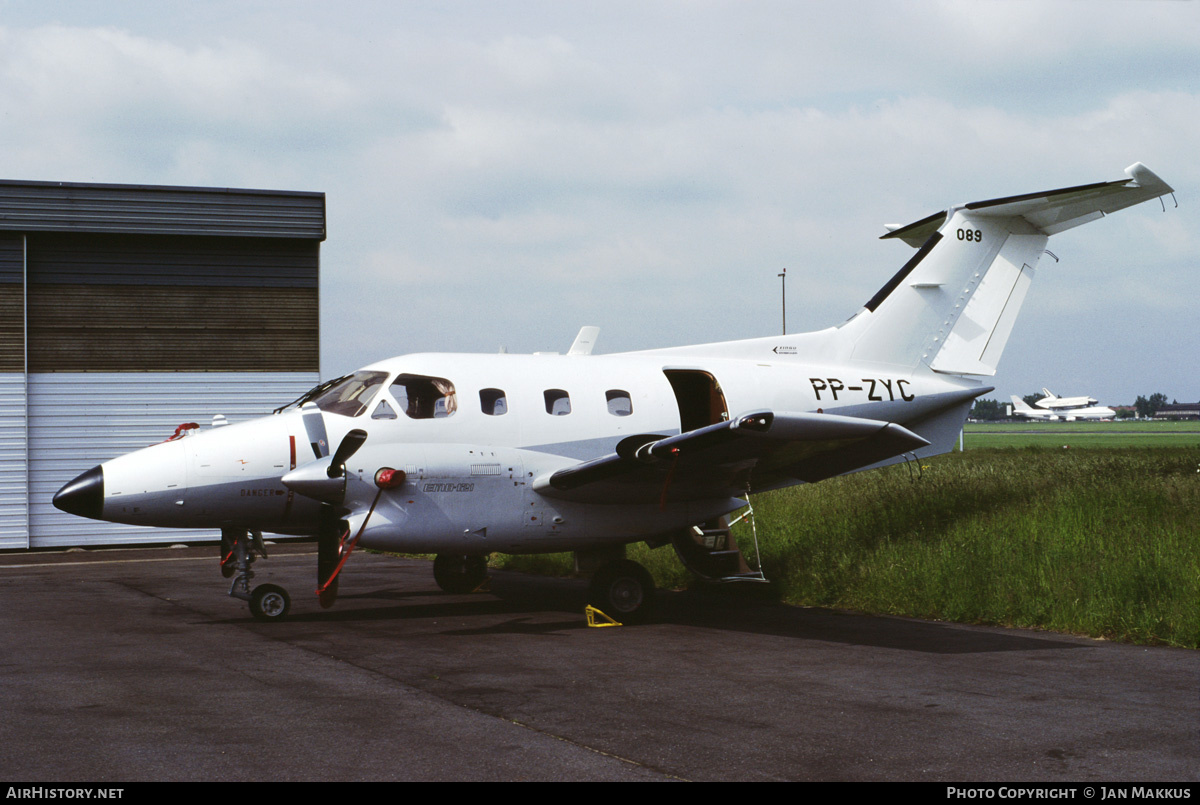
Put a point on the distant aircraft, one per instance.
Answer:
(1066, 408)
(465, 455)
(1054, 403)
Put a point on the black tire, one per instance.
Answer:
(458, 574)
(269, 602)
(623, 590)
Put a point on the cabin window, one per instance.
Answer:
(619, 402)
(493, 402)
(352, 394)
(383, 411)
(558, 402)
(424, 397)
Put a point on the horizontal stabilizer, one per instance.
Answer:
(1051, 211)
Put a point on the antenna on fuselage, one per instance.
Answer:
(585, 342)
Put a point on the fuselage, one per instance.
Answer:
(473, 433)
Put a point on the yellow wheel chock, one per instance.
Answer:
(598, 619)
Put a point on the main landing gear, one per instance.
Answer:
(623, 590)
(458, 574)
(620, 588)
(239, 550)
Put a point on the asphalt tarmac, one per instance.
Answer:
(132, 665)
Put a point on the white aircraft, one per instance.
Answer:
(1055, 408)
(1054, 402)
(466, 455)
(1020, 408)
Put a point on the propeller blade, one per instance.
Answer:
(329, 540)
(349, 446)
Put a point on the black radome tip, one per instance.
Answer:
(84, 496)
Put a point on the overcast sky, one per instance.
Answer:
(502, 173)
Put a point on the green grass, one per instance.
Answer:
(1082, 439)
(1126, 433)
(1122, 426)
(1103, 542)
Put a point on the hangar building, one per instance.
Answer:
(126, 311)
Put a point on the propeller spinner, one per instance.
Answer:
(325, 479)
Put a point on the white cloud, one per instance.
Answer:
(648, 167)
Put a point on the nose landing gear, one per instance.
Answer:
(239, 550)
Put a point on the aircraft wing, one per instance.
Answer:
(758, 450)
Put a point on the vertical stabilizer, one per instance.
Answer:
(954, 304)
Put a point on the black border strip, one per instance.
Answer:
(929, 219)
(886, 290)
(995, 202)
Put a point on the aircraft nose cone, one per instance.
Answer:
(84, 496)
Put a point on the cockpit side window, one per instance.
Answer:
(351, 396)
(424, 397)
(493, 402)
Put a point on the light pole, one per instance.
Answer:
(783, 297)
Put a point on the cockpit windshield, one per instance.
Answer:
(351, 396)
(348, 395)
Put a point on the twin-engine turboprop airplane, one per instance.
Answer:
(466, 455)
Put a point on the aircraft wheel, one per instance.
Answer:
(623, 590)
(269, 602)
(458, 574)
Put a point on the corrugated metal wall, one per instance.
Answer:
(78, 420)
(14, 492)
(102, 328)
(177, 260)
(121, 303)
(143, 209)
(12, 303)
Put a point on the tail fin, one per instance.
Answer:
(953, 305)
(1019, 404)
(1049, 395)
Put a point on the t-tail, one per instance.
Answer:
(1021, 406)
(953, 305)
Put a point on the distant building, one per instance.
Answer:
(127, 310)
(1179, 411)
